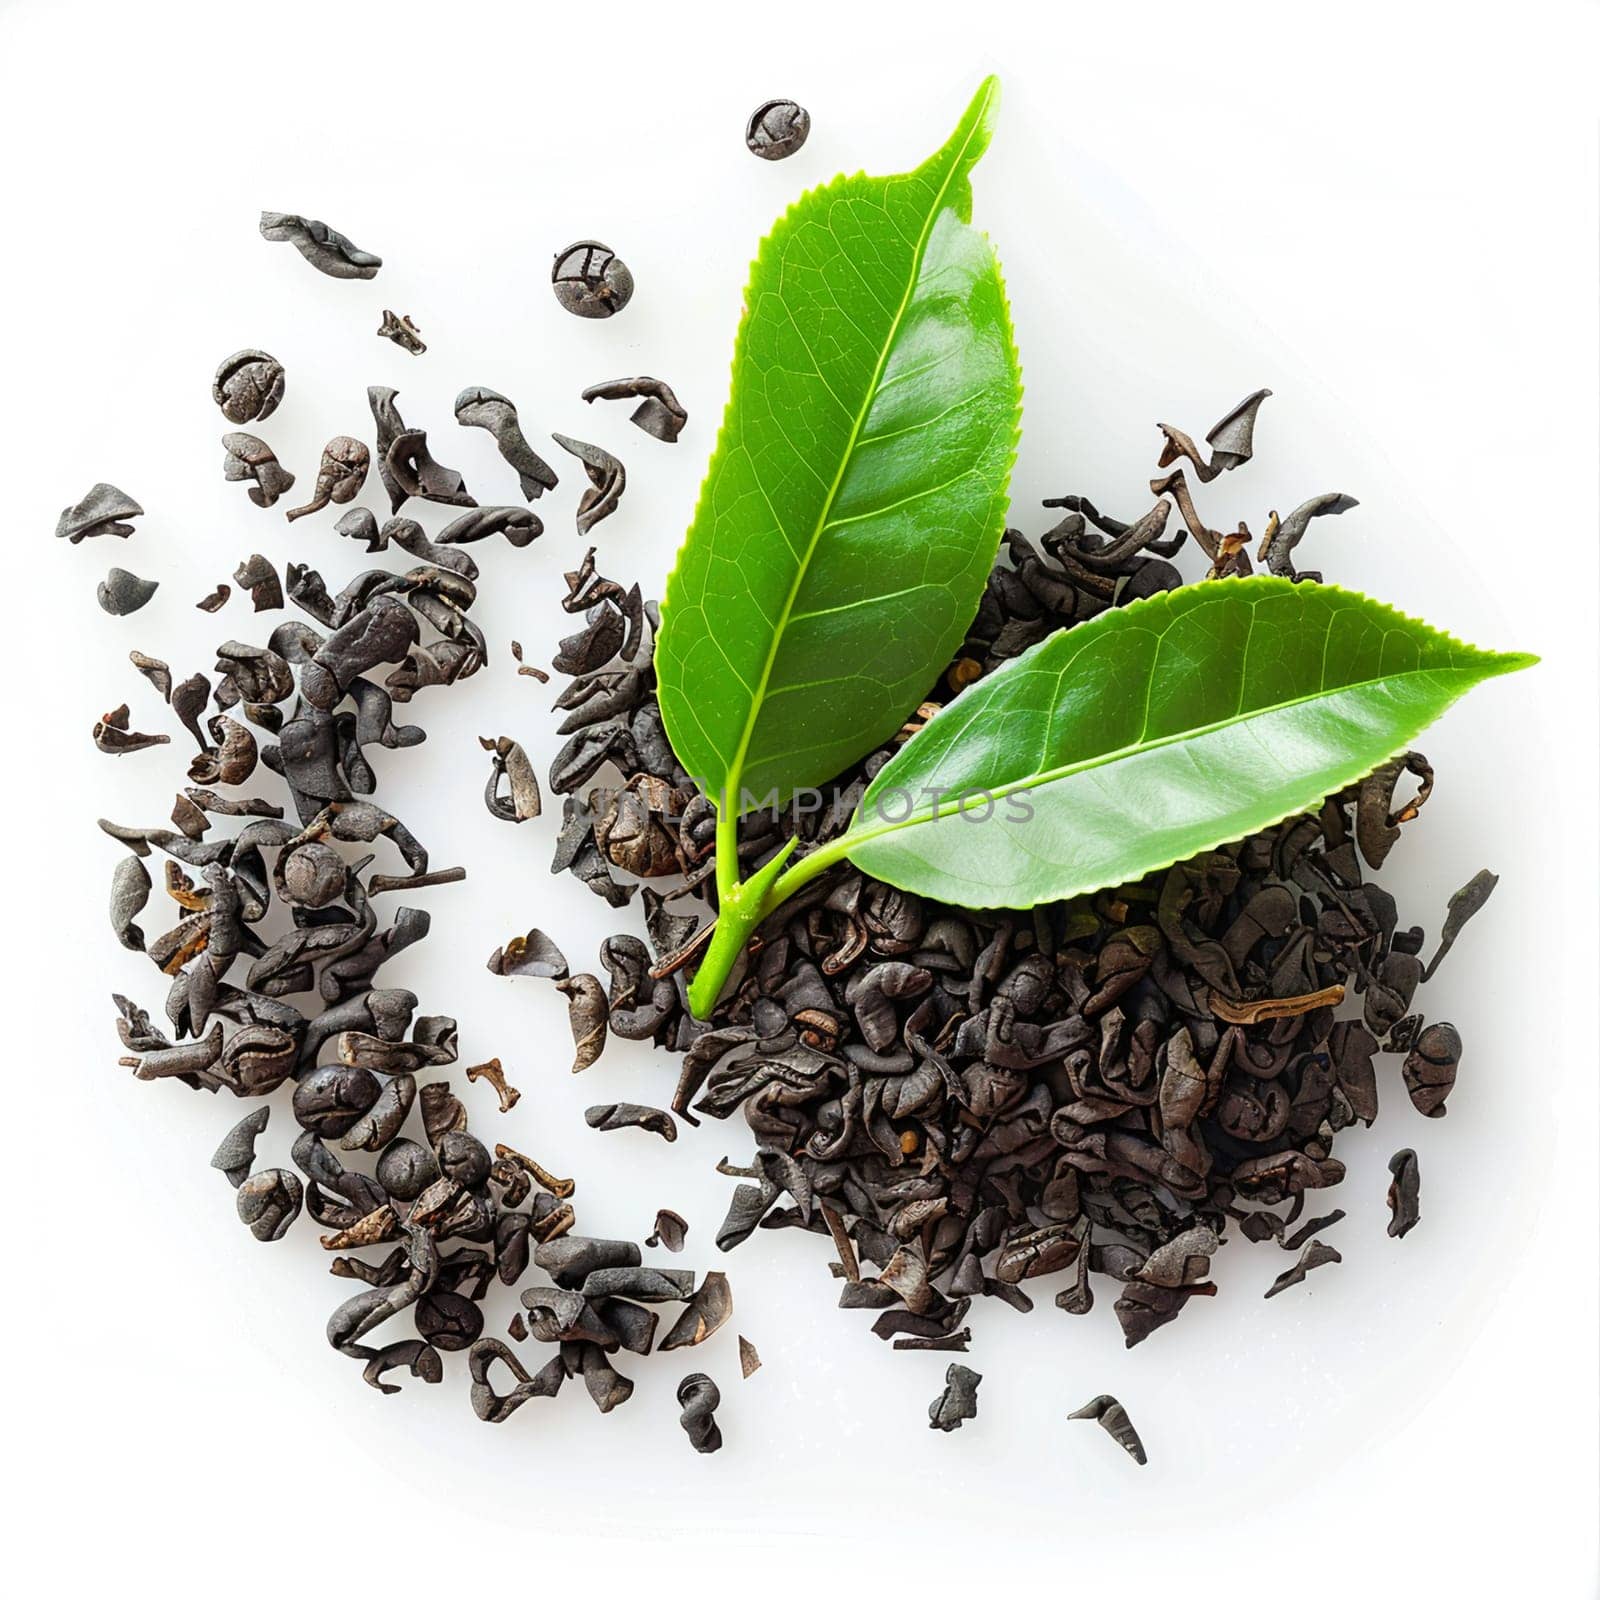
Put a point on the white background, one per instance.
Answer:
(1385, 214)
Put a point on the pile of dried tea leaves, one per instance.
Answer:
(984, 1103)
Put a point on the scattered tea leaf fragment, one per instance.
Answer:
(1108, 1411)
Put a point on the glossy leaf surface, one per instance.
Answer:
(856, 497)
(1167, 727)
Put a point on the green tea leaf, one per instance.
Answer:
(1167, 727)
(855, 501)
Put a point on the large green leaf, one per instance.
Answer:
(857, 494)
(1167, 727)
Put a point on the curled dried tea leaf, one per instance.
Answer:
(260, 578)
(1404, 1190)
(533, 954)
(236, 1154)
(1142, 1307)
(587, 1011)
(658, 413)
(339, 477)
(248, 386)
(591, 280)
(130, 893)
(1464, 905)
(959, 1401)
(1310, 1228)
(479, 407)
(669, 1232)
(1378, 819)
(268, 1202)
(1316, 1254)
(709, 1310)
(99, 512)
(1280, 539)
(561, 1188)
(325, 248)
(112, 737)
(494, 1075)
(404, 465)
(153, 671)
(523, 670)
(699, 1397)
(511, 763)
(401, 330)
(1108, 1411)
(519, 525)
(1232, 441)
(749, 1361)
(231, 759)
(250, 460)
(216, 600)
(121, 593)
(776, 129)
(626, 1114)
(607, 480)
(1430, 1068)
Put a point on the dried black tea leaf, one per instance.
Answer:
(325, 248)
(511, 764)
(250, 460)
(699, 1397)
(1108, 1411)
(959, 1402)
(113, 738)
(99, 512)
(216, 600)
(157, 673)
(479, 407)
(1309, 1228)
(339, 477)
(260, 578)
(533, 954)
(402, 331)
(1404, 1189)
(1279, 540)
(130, 893)
(523, 670)
(607, 480)
(120, 593)
(591, 280)
(519, 526)
(658, 413)
(1316, 1254)
(404, 465)
(776, 129)
(625, 1114)
(669, 1232)
(236, 1154)
(749, 1361)
(1232, 441)
(1430, 1068)
(492, 1073)
(1464, 905)
(709, 1310)
(268, 1202)
(586, 1014)
(248, 386)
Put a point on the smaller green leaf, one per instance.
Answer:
(1167, 727)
